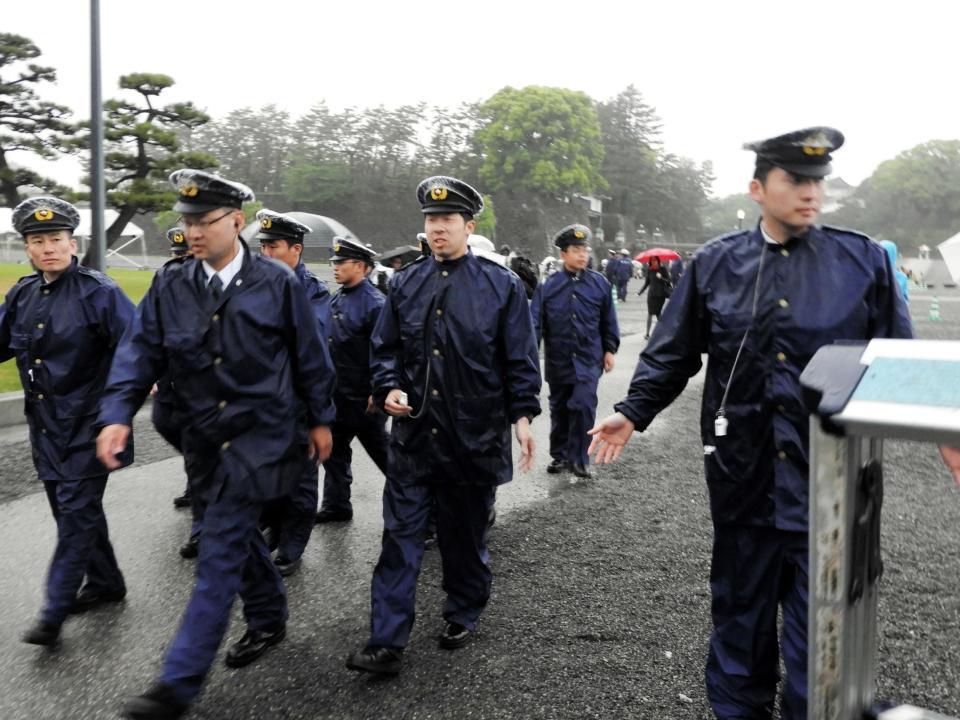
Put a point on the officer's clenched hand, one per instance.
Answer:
(321, 443)
(951, 458)
(609, 437)
(607, 362)
(393, 406)
(110, 442)
(525, 439)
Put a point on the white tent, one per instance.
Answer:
(950, 249)
(12, 248)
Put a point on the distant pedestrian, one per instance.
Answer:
(657, 280)
(574, 314)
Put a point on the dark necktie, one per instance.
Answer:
(215, 287)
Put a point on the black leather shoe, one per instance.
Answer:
(557, 466)
(88, 599)
(158, 703)
(252, 645)
(326, 515)
(190, 549)
(455, 636)
(373, 659)
(183, 501)
(580, 470)
(271, 536)
(42, 634)
(287, 567)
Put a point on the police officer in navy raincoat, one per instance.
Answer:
(161, 413)
(455, 337)
(573, 313)
(622, 273)
(291, 519)
(355, 310)
(782, 291)
(242, 347)
(62, 324)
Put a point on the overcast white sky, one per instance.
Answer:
(718, 73)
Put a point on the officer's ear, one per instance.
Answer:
(471, 225)
(239, 219)
(756, 190)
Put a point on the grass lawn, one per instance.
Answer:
(134, 283)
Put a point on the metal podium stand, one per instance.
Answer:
(858, 395)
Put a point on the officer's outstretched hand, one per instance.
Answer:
(607, 362)
(525, 439)
(321, 443)
(110, 442)
(393, 406)
(951, 458)
(609, 437)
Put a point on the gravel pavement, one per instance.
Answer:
(600, 606)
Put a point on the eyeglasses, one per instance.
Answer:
(190, 223)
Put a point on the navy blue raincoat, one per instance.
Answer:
(63, 335)
(238, 368)
(354, 311)
(457, 338)
(574, 315)
(831, 285)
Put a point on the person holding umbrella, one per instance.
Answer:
(657, 280)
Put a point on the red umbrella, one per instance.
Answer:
(662, 253)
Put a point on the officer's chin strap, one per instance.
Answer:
(720, 423)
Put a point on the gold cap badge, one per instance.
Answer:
(816, 145)
(43, 214)
(266, 223)
(578, 234)
(439, 193)
(189, 190)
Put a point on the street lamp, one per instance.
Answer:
(740, 216)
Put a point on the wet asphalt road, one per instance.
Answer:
(600, 605)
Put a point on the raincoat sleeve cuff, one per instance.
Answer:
(625, 409)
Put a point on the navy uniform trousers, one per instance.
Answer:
(573, 410)
(754, 570)
(370, 429)
(83, 546)
(297, 514)
(233, 560)
(462, 512)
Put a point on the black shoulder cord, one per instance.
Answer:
(720, 423)
(427, 342)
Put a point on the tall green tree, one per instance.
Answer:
(632, 147)
(539, 146)
(251, 146)
(913, 199)
(27, 123)
(540, 140)
(142, 147)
